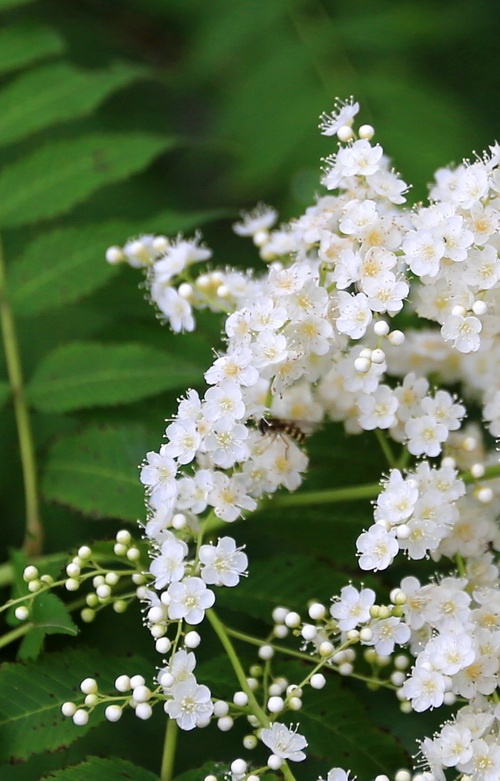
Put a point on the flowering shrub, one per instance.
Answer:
(369, 314)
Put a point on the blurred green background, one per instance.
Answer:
(183, 112)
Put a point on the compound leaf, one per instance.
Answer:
(51, 180)
(95, 472)
(85, 374)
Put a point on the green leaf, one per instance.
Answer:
(197, 773)
(96, 472)
(6, 4)
(66, 264)
(83, 374)
(26, 42)
(31, 696)
(51, 180)
(56, 92)
(339, 731)
(99, 769)
(284, 580)
(49, 616)
(4, 391)
(61, 267)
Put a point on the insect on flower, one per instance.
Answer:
(298, 430)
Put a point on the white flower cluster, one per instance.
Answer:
(310, 340)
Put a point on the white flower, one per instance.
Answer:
(188, 600)
(338, 774)
(224, 400)
(396, 502)
(343, 114)
(260, 219)
(425, 688)
(484, 764)
(377, 548)
(180, 668)
(463, 331)
(386, 633)
(352, 607)
(176, 309)
(354, 316)
(222, 564)
(378, 410)
(158, 475)
(455, 744)
(169, 565)
(423, 252)
(229, 496)
(284, 742)
(235, 367)
(191, 705)
(425, 435)
(193, 491)
(184, 440)
(226, 442)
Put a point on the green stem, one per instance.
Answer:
(489, 474)
(222, 634)
(15, 634)
(167, 763)
(331, 496)
(386, 448)
(281, 649)
(33, 537)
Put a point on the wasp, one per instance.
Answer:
(298, 430)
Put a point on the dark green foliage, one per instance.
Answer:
(33, 722)
(96, 472)
(127, 116)
(98, 769)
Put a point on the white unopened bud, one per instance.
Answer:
(279, 614)
(30, 573)
(396, 338)
(113, 713)
(124, 537)
(318, 681)
(192, 639)
(317, 611)
(275, 704)
(240, 699)
(21, 613)
(292, 620)
(484, 495)
(362, 365)
(238, 766)
(80, 717)
(367, 132)
(225, 723)
(477, 471)
(479, 308)
(266, 652)
(274, 762)
(163, 645)
(345, 133)
(185, 291)
(381, 328)
(114, 255)
(144, 711)
(378, 356)
(221, 708)
(250, 742)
